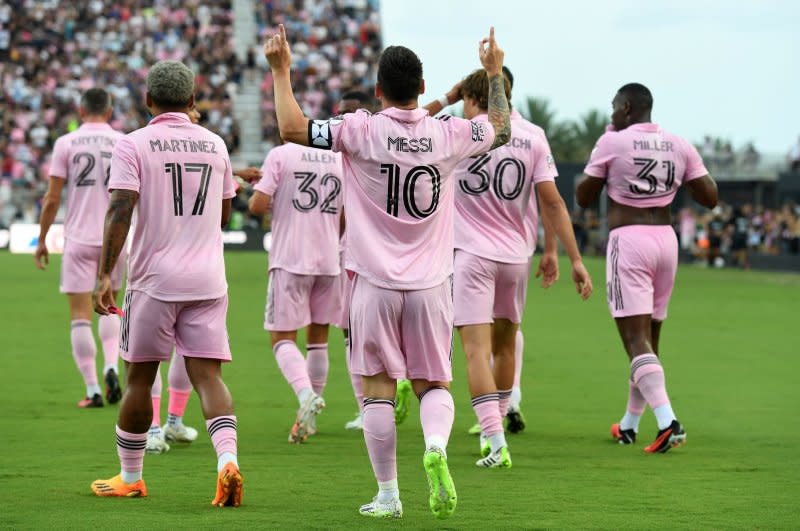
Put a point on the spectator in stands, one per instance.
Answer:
(794, 158)
(709, 150)
(750, 156)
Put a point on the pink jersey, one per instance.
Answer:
(399, 196)
(494, 194)
(182, 173)
(305, 185)
(83, 159)
(644, 165)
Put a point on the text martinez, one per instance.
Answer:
(183, 145)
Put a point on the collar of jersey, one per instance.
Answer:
(405, 115)
(648, 127)
(171, 117)
(95, 125)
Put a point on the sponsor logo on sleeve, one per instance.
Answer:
(319, 133)
(478, 133)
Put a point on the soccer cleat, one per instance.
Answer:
(377, 509)
(402, 401)
(672, 436)
(622, 436)
(515, 420)
(485, 447)
(113, 390)
(475, 429)
(443, 496)
(116, 487)
(499, 459)
(357, 423)
(306, 418)
(156, 443)
(229, 487)
(94, 401)
(179, 433)
(312, 426)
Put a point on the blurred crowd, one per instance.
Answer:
(51, 51)
(336, 49)
(720, 155)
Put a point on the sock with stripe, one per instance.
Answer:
(155, 396)
(634, 410)
(180, 388)
(504, 398)
(84, 352)
(293, 367)
(516, 390)
(317, 366)
(355, 379)
(436, 413)
(380, 437)
(648, 376)
(487, 409)
(222, 431)
(108, 330)
(130, 449)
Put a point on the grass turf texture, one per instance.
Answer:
(729, 350)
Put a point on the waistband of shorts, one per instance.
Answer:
(641, 229)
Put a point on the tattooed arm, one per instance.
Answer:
(491, 56)
(118, 222)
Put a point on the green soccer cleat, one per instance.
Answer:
(475, 429)
(402, 401)
(499, 459)
(485, 445)
(443, 498)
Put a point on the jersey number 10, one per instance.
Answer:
(409, 189)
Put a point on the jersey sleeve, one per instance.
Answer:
(601, 157)
(544, 166)
(124, 166)
(59, 164)
(470, 137)
(347, 132)
(229, 184)
(270, 174)
(694, 164)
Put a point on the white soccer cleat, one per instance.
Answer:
(179, 433)
(357, 423)
(156, 443)
(305, 423)
(378, 509)
(499, 459)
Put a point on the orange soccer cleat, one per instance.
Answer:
(229, 487)
(116, 487)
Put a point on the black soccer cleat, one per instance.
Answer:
(672, 436)
(113, 390)
(515, 421)
(622, 436)
(93, 401)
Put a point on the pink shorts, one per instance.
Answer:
(486, 290)
(296, 301)
(80, 264)
(406, 334)
(345, 287)
(151, 327)
(640, 270)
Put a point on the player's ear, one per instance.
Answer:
(148, 101)
(378, 91)
(422, 86)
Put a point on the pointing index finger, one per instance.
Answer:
(283, 33)
(491, 34)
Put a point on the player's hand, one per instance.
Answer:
(277, 51)
(454, 94)
(491, 54)
(583, 282)
(548, 269)
(250, 175)
(42, 255)
(103, 296)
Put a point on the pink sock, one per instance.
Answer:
(292, 365)
(519, 345)
(381, 438)
(108, 330)
(156, 411)
(504, 397)
(179, 385)
(648, 375)
(130, 449)
(487, 409)
(317, 366)
(436, 412)
(355, 379)
(222, 431)
(636, 402)
(84, 350)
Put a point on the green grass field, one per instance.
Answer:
(730, 350)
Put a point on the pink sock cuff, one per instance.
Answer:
(135, 437)
(282, 344)
(177, 402)
(77, 323)
(317, 346)
(218, 423)
(373, 403)
(643, 365)
(222, 431)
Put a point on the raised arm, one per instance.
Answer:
(292, 123)
(491, 57)
(118, 223)
(50, 204)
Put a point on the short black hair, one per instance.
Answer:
(95, 101)
(509, 76)
(358, 95)
(399, 74)
(639, 96)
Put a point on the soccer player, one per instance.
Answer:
(175, 179)
(399, 206)
(302, 187)
(492, 257)
(642, 167)
(81, 160)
